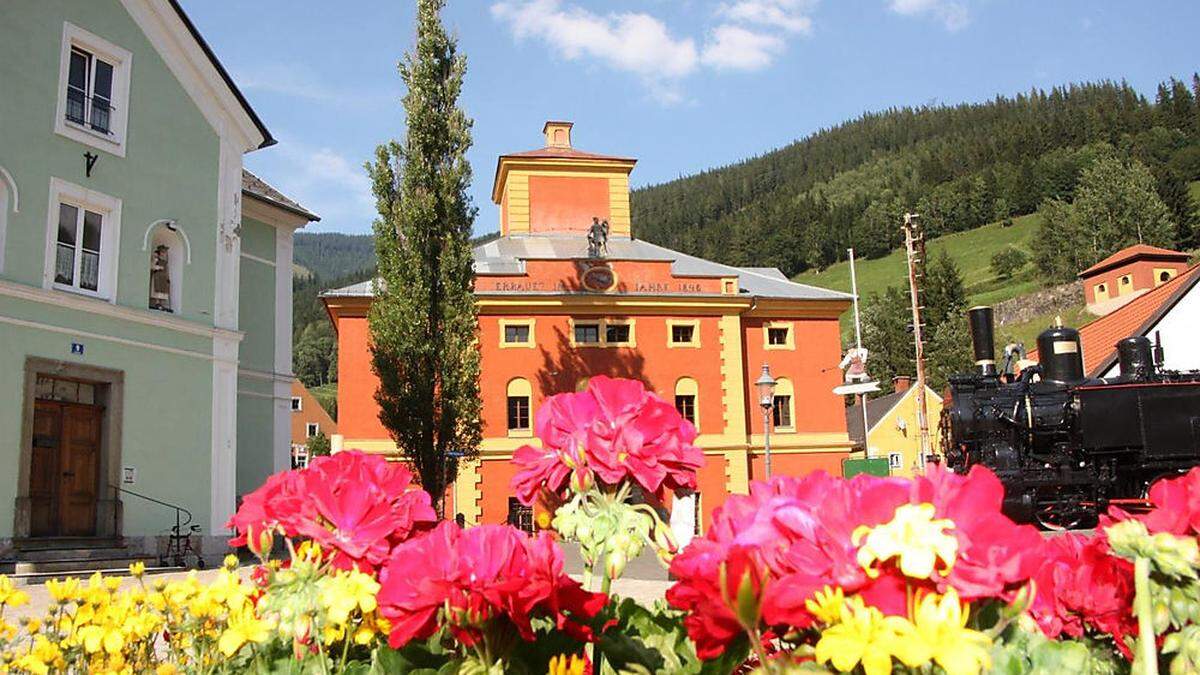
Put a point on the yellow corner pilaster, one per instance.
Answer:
(467, 491)
(618, 205)
(737, 472)
(732, 397)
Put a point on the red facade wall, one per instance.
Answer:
(811, 367)
(1142, 272)
(566, 203)
(358, 415)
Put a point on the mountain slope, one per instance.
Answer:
(801, 206)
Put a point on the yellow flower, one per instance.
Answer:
(344, 592)
(231, 561)
(9, 595)
(243, 627)
(562, 664)
(137, 569)
(826, 605)
(166, 669)
(914, 536)
(941, 630)
(864, 635)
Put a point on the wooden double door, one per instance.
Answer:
(64, 477)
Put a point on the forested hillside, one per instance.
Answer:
(960, 167)
(330, 255)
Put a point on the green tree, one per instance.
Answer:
(1116, 205)
(423, 322)
(887, 327)
(318, 445)
(1007, 261)
(314, 356)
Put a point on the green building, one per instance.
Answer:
(145, 281)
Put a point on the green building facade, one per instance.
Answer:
(145, 278)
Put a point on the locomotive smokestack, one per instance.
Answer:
(1136, 358)
(983, 338)
(1061, 354)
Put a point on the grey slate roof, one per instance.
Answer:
(507, 256)
(262, 190)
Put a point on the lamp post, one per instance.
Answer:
(766, 399)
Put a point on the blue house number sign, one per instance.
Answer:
(77, 348)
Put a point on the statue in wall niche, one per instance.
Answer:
(598, 238)
(160, 278)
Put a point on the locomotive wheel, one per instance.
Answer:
(1061, 511)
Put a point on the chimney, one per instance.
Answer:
(901, 382)
(558, 134)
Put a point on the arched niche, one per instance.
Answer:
(9, 200)
(168, 251)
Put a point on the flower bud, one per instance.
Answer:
(614, 564)
(260, 541)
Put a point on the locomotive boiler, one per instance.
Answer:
(1065, 446)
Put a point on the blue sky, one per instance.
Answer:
(682, 85)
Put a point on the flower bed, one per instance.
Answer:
(804, 574)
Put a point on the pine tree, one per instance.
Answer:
(423, 322)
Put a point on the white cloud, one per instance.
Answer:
(736, 48)
(322, 179)
(630, 41)
(790, 15)
(286, 79)
(951, 13)
(748, 38)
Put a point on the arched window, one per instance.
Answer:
(169, 251)
(687, 400)
(519, 405)
(1164, 276)
(3, 219)
(783, 411)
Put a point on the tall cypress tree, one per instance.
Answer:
(423, 323)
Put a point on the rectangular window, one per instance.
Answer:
(519, 515)
(77, 257)
(587, 333)
(895, 460)
(777, 336)
(93, 92)
(781, 411)
(516, 334)
(686, 405)
(312, 429)
(296, 404)
(518, 413)
(617, 334)
(682, 334)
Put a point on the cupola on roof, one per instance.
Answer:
(557, 189)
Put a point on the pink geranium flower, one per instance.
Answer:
(614, 431)
(1081, 586)
(356, 506)
(795, 534)
(486, 578)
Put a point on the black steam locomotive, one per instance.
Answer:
(1065, 446)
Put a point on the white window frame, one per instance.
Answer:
(297, 404)
(63, 192)
(895, 460)
(311, 429)
(122, 63)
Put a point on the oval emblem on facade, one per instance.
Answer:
(599, 279)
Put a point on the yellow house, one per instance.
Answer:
(892, 428)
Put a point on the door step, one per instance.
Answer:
(33, 578)
(77, 566)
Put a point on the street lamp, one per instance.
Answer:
(766, 399)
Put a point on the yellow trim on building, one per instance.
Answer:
(528, 344)
(737, 472)
(695, 326)
(468, 491)
(789, 345)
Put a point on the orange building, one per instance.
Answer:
(309, 418)
(1128, 273)
(555, 310)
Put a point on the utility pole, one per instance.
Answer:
(862, 398)
(914, 246)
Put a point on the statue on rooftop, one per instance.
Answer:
(598, 238)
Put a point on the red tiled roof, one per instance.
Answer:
(1100, 337)
(1132, 253)
(564, 153)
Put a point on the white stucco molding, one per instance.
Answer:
(173, 227)
(185, 58)
(255, 208)
(14, 195)
(121, 312)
